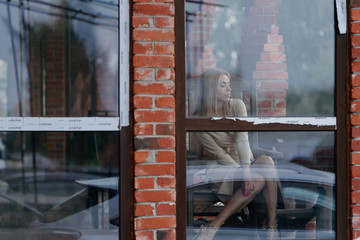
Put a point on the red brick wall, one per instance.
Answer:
(154, 116)
(355, 116)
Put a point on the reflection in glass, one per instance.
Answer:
(59, 58)
(280, 54)
(304, 165)
(60, 176)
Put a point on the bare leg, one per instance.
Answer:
(270, 190)
(238, 201)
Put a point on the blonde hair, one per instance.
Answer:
(207, 104)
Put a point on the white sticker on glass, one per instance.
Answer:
(341, 15)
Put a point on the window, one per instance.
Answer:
(284, 61)
(64, 123)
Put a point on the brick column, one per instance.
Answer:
(355, 116)
(263, 58)
(271, 77)
(55, 68)
(154, 116)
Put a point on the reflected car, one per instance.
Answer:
(306, 204)
(44, 190)
(92, 213)
(230, 233)
(25, 198)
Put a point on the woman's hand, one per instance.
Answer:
(248, 184)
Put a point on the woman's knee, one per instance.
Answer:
(265, 160)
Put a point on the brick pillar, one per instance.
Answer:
(55, 103)
(154, 116)
(35, 74)
(263, 59)
(271, 77)
(355, 116)
(55, 70)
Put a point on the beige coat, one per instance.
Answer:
(226, 149)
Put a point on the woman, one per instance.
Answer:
(231, 151)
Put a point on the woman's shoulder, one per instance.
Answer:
(235, 102)
(237, 107)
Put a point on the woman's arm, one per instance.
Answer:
(245, 156)
(243, 148)
(242, 139)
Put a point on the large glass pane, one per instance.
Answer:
(279, 56)
(58, 185)
(242, 181)
(59, 58)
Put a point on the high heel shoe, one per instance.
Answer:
(272, 231)
(207, 232)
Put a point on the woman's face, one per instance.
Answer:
(223, 89)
